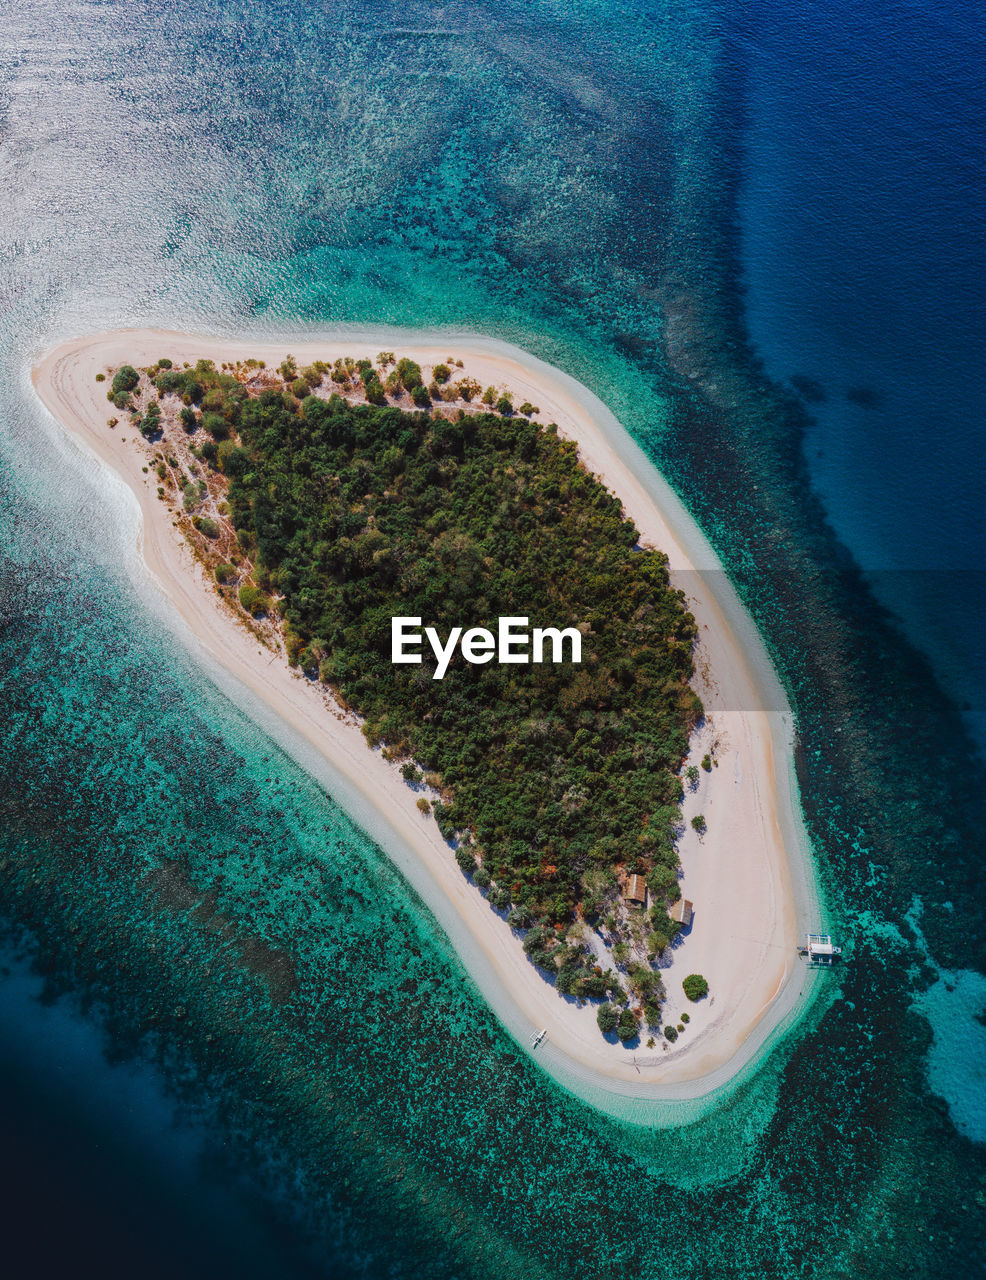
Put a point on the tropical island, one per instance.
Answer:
(322, 496)
(329, 517)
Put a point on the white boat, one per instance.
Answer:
(538, 1037)
(819, 949)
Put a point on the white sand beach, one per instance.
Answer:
(749, 876)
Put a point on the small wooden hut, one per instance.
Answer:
(636, 890)
(682, 912)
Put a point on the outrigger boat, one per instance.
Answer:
(538, 1036)
(819, 949)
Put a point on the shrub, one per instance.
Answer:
(208, 528)
(409, 374)
(504, 408)
(468, 388)
(686, 1017)
(482, 877)
(520, 918)
(234, 461)
(538, 938)
(300, 388)
(441, 373)
(374, 391)
(528, 409)
(627, 1027)
(465, 859)
(253, 600)
(499, 898)
(150, 424)
(226, 449)
(424, 805)
(644, 980)
(188, 419)
(671, 1033)
(126, 378)
(662, 923)
(657, 943)
(698, 823)
(591, 906)
(420, 397)
(216, 425)
(695, 986)
(707, 763)
(606, 1019)
(410, 772)
(164, 363)
(663, 882)
(224, 572)
(691, 773)
(100, 377)
(171, 382)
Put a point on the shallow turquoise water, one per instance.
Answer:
(559, 179)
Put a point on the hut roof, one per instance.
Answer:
(682, 912)
(636, 889)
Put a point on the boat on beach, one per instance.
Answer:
(819, 949)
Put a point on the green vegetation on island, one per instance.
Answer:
(551, 782)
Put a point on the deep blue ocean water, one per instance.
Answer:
(864, 229)
(235, 1041)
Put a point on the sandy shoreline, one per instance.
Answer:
(749, 876)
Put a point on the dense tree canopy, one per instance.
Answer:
(553, 779)
(357, 513)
